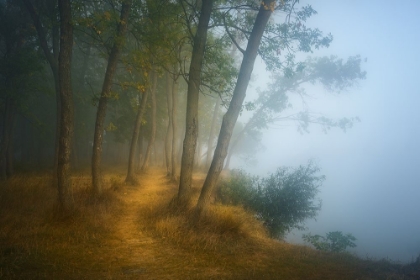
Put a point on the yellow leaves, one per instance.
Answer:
(271, 6)
(141, 88)
(113, 95)
(111, 127)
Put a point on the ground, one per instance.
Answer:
(138, 232)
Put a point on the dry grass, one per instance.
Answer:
(139, 232)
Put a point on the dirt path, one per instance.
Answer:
(136, 251)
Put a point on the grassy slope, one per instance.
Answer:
(137, 233)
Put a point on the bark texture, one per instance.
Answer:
(169, 131)
(66, 96)
(52, 58)
(103, 99)
(6, 151)
(174, 129)
(231, 116)
(194, 81)
(153, 123)
(131, 176)
(210, 150)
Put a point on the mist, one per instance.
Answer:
(372, 187)
(119, 136)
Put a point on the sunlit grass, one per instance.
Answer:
(140, 232)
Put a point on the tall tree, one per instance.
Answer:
(194, 81)
(212, 133)
(330, 72)
(19, 62)
(152, 138)
(66, 97)
(174, 112)
(131, 177)
(106, 89)
(169, 131)
(285, 34)
(235, 106)
(52, 56)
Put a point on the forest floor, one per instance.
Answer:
(135, 232)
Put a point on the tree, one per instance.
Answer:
(153, 122)
(286, 34)
(19, 65)
(51, 54)
(282, 201)
(173, 118)
(66, 98)
(330, 72)
(106, 89)
(169, 131)
(232, 114)
(212, 133)
(334, 241)
(194, 81)
(131, 178)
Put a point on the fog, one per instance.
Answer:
(372, 186)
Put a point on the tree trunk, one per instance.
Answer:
(140, 149)
(131, 177)
(169, 131)
(210, 149)
(153, 132)
(174, 129)
(231, 116)
(66, 96)
(10, 150)
(198, 153)
(6, 138)
(106, 89)
(194, 81)
(233, 146)
(52, 58)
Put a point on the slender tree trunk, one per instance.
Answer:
(10, 150)
(198, 153)
(234, 109)
(106, 89)
(229, 157)
(131, 177)
(169, 131)
(66, 122)
(248, 126)
(52, 58)
(234, 145)
(174, 158)
(153, 132)
(6, 137)
(140, 149)
(194, 81)
(210, 142)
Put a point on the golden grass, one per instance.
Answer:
(139, 232)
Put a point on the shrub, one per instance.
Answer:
(283, 200)
(334, 241)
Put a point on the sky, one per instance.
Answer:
(372, 187)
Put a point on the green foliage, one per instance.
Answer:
(334, 241)
(283, 200)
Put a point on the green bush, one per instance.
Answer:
(283, 200)
(334, 241)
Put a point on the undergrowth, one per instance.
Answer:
(140, 232)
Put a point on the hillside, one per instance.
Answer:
(134, 232)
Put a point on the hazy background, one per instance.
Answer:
(372, 188)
